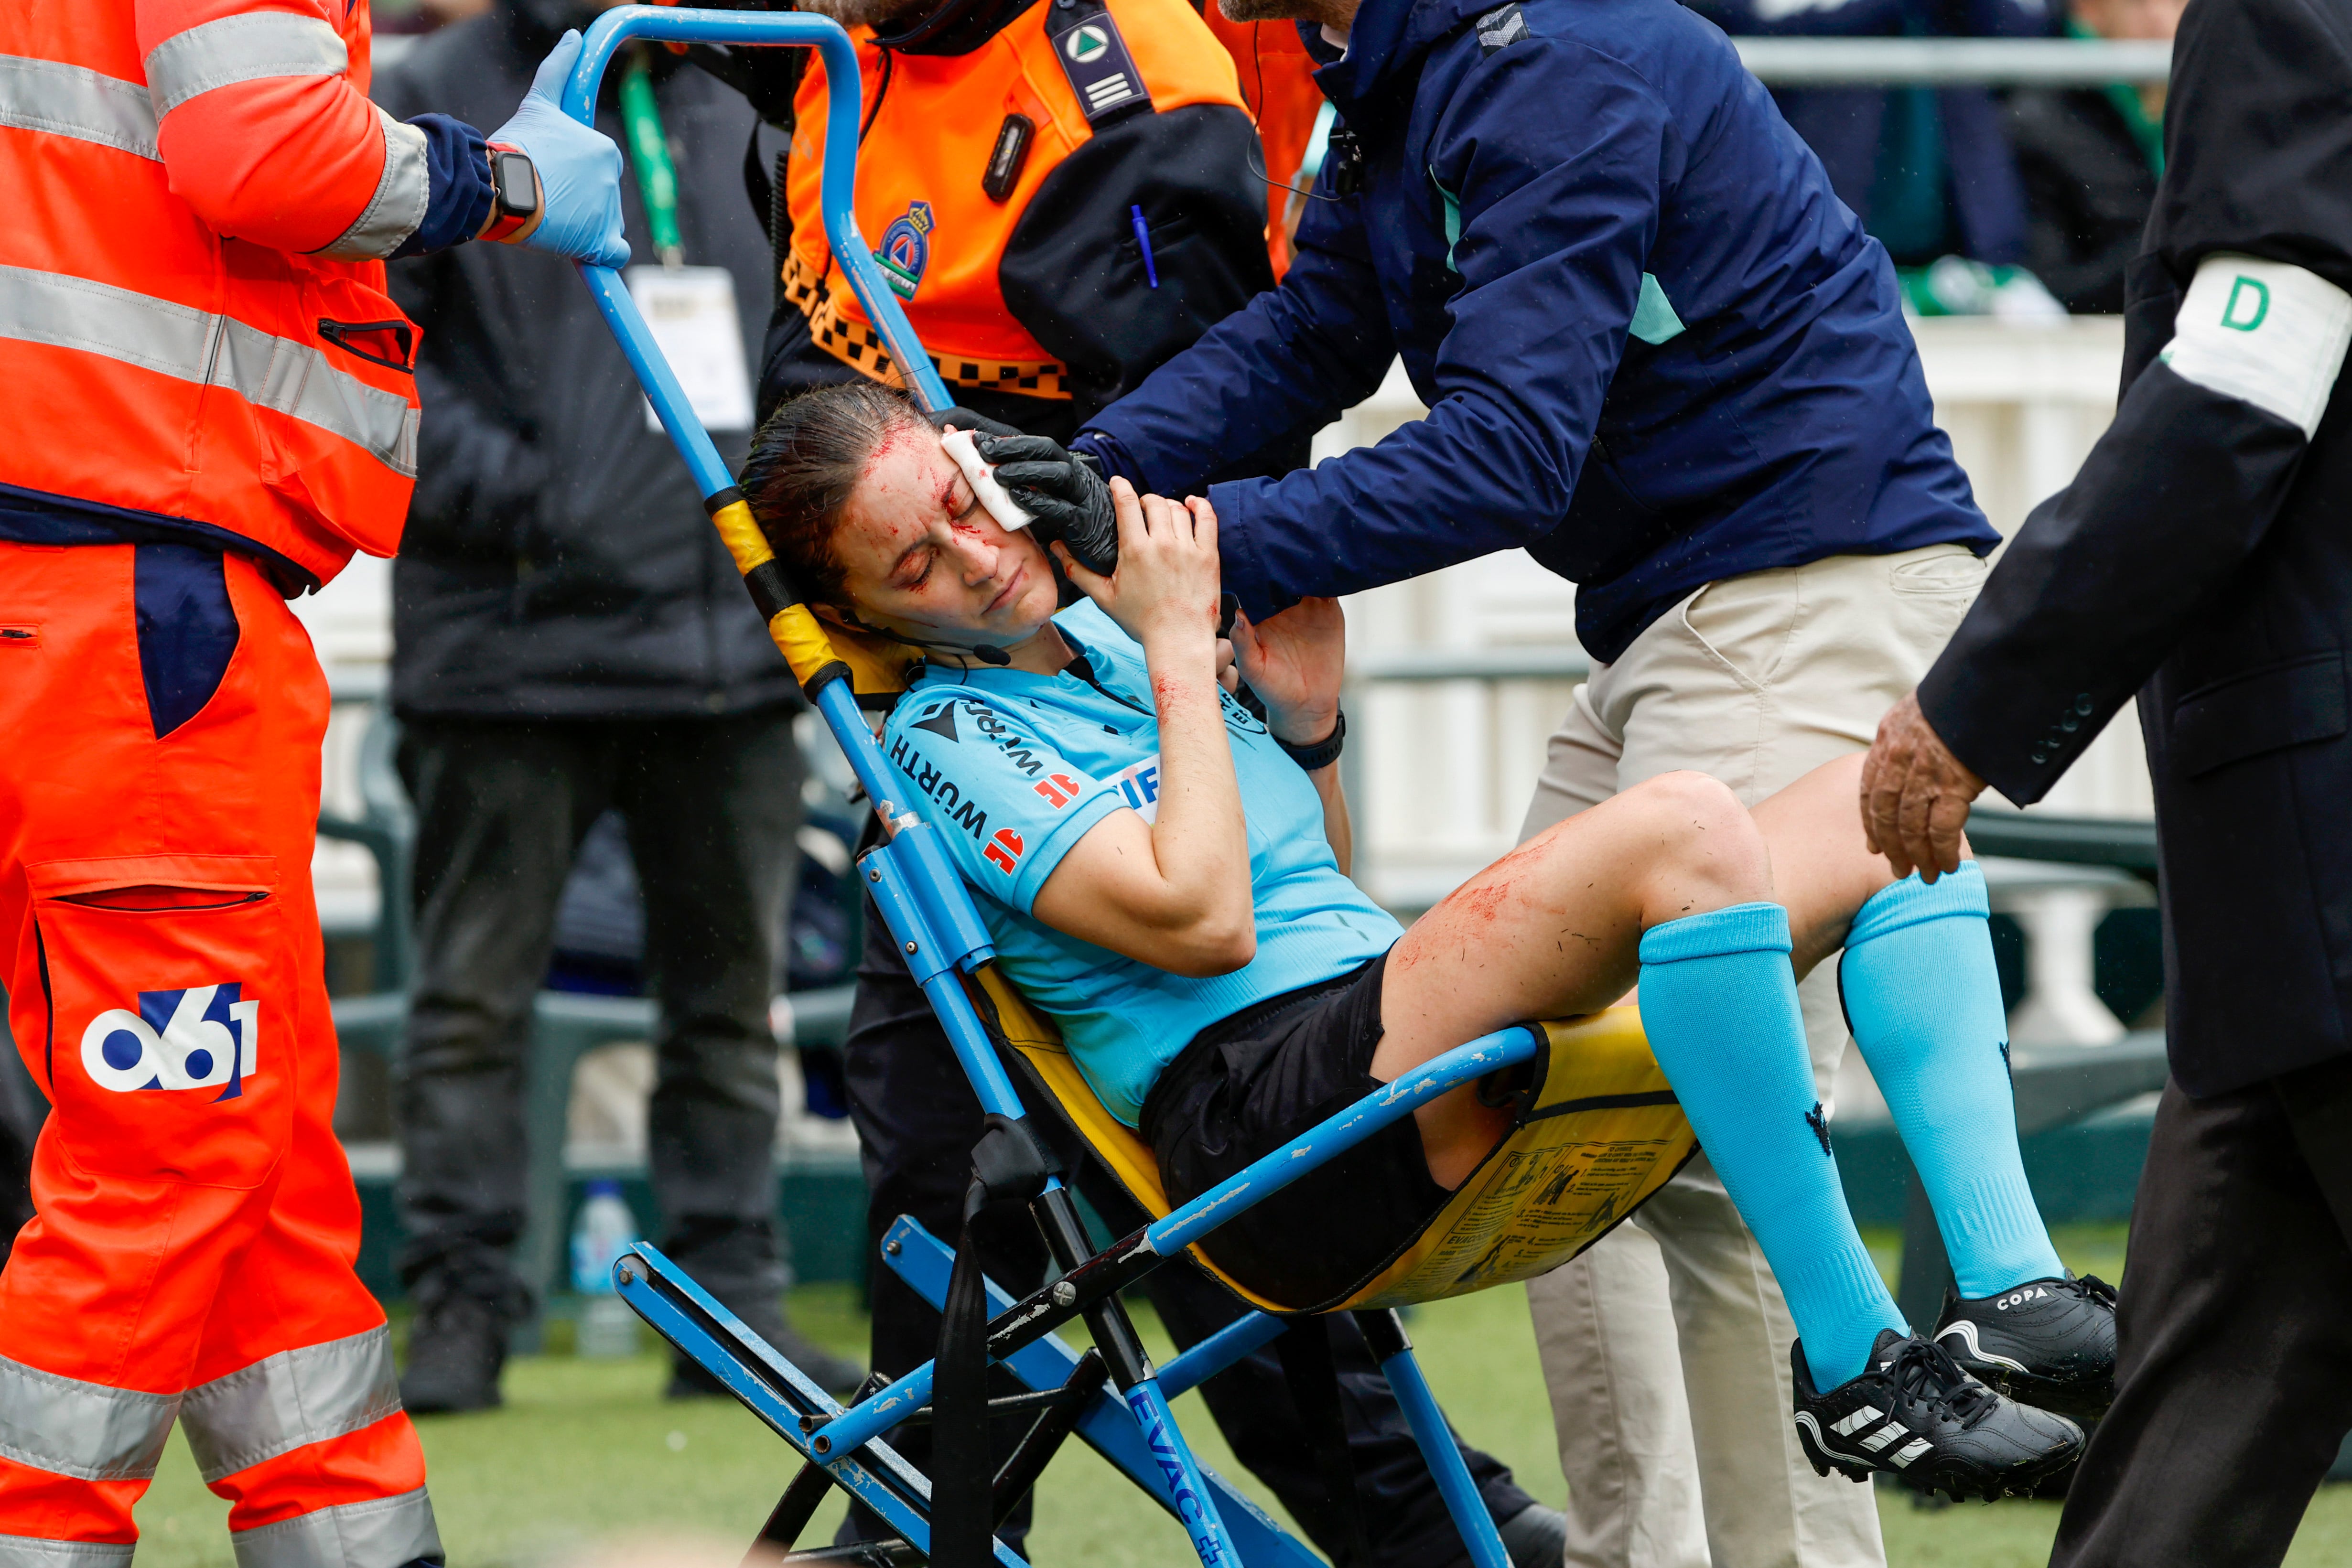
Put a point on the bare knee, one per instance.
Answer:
(1709, 851)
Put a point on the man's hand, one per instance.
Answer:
(1061, 490)
(578, 169)
(1916, 795)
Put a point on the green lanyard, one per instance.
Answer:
(649, 150)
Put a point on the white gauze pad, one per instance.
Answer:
(965, 452)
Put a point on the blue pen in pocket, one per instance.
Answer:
(1144, 239)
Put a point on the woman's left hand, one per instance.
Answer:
(1294, 661)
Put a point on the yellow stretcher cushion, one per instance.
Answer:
(1597, 1131)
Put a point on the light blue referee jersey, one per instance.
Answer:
(1014, 767)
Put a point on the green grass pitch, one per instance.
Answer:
(587, 1467)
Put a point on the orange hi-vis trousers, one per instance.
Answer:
(191, 1259)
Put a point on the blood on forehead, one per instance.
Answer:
(899, 437)
(909, 461)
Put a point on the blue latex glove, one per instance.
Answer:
(579, 167)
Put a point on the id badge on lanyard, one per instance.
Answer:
(691, 309)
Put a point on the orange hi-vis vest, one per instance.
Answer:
(926, 198)
(193, 322)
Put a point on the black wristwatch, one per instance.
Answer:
(514, 192)
(1324, 752)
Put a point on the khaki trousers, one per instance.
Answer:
(1665, 1347)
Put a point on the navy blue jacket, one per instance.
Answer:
(1656, 349)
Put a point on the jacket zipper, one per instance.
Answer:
(93, 901)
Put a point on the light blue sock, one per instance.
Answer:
(1719, 1003)
(1923, 1003)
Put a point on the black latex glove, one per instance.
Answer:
(767, 76)
(1062, 489)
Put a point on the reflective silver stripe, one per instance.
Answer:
(296, 380)
(245, 47)
(192, 345)
(68, 100)
(390, 1532)
(287, 1400)
(86, 1430)
(398, 205)
(31, 1551)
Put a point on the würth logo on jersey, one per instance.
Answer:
(1058, 788)
(205, 1037)
(1003, 851)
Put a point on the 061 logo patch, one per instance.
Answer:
(202, 1037)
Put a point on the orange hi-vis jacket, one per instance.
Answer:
(932, 195)
(193, 328)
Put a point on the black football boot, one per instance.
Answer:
(2050, 1343)
(1913, 1414)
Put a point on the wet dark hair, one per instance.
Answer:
(804, 463)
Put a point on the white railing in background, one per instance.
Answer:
(1949, 62)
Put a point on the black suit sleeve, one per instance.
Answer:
(1074, 276)
(2106, 578)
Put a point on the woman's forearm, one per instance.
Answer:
(1200, 838)
(1339, 828)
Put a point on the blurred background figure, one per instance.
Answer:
(2090, 158)
(572, 641)
(1928, 170)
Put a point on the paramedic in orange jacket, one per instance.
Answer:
(210, 409)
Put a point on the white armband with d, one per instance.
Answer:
(2264, 332)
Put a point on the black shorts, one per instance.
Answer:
(1247, 1086)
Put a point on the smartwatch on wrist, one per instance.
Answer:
(1324, 752)
(514, 192)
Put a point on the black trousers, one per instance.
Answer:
(712, 807)
(2234, 1357)
(917, 1122)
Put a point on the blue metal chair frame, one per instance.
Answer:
(931, 914)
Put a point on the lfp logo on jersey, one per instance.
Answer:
(906, 249)
(193, 1039)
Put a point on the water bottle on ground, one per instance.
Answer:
(603, 1231)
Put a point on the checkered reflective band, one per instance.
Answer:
(857, 345)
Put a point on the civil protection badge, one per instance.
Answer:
(906, 249)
